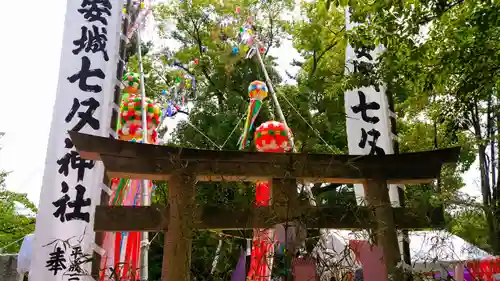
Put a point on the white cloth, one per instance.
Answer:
(25, 254)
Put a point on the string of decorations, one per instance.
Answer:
(270, 136)
(236, 237)
(175, 99)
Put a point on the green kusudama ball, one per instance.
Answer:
(132, 82)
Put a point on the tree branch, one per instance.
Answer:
(218, 93)
(441, 10)
(271, 34)
(316, 59)
(315, 64)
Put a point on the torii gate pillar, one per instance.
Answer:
(178, 237)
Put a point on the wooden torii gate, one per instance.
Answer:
(183, 168)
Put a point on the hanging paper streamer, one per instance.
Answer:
(270, 136)
(170, 107)
(257, 91)
(146, 9)
(175, 100)
(122, 248)
(245, 34)
(235, 51)
(189, 82)
(239, 272)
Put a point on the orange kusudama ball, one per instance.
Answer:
(272, 136)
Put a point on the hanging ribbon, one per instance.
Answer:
(253, 111)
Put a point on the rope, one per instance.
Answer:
(275, 99)
(307, 123)
(234, 129)
(199, 131)
(245, 238)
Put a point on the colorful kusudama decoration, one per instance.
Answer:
(132, 83)
(131, 119)
(123, 248)
(257, 91)
(270, 136)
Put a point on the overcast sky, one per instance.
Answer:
(30, 55)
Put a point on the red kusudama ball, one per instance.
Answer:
(272, 136)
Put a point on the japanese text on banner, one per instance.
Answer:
(64, 230)
(368, 122)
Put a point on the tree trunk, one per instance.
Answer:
(486, 193)
(485, 176)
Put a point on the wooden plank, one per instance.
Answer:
(128, 218)
(132, 160)
(160, 169)
(284, 194)
(94, 147)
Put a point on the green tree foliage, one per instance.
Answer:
(470, 223)
(317, 100)
(442, 63)
(222, 100)
(440, 66)
(16, 217)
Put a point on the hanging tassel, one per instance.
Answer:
(118, 248)
(253, 111)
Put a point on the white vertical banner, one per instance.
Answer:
(367, 111)
(64, 236)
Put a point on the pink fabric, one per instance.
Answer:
(116, 244)
(304, 269)
(459, 272)
(371, 258)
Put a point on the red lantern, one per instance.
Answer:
(272, 136)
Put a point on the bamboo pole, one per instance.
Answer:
(146, 198)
